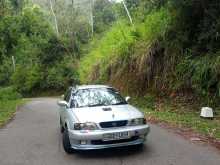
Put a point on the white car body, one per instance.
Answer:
(113, 129)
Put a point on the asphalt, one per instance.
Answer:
(33, 138)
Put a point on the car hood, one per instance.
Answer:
(99, 114)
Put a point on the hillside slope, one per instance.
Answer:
(170, 49)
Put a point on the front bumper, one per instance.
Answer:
(89, 140)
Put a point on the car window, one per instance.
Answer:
(67, 95)
(96, 97)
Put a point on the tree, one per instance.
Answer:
(103, 15)
(17, 5)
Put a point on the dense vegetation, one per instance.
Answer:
(10, 99)
(45, 52)
(173, 47)
(39, 54)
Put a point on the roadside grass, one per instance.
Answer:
(8, 109)
(178, 115)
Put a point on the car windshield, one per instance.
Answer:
(96, 97)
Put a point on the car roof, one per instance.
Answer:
(92, 86)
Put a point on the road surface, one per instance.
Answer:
(33, 138)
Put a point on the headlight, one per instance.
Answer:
(85, 126)
(138, 121)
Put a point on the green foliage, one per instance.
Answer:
(197, 33)
(177, 114)
(52, 52)
(6, 72)
(61, 75)
(4, 8)
(8, 109)
(40, 56)
(173, 45)
(27, 79)
(103, 15)
(114, 40)
(148, 101)
(121, 40)
(201, 74)
(186, 55)
(9, 93)
(140, 8)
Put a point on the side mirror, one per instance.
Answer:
(127, 98)
(62, 103)
(62, 96)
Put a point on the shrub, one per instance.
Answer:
(9, 93)
(201, 74)
(5, 72)
(27, 79)
(61, 75)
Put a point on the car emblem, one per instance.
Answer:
(113, 116)
(114, 124)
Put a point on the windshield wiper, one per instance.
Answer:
(96, 105)
(120, 103)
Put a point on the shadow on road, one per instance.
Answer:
(113, 152)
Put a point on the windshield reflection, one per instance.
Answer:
(96, 97)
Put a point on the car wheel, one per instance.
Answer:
(61, 127)
(66, 142)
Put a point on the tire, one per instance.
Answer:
(66, 143)
(61, 127)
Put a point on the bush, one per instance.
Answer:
(6, 70)
(27, 79)
(9, 93)
(42, 59)
(201, 74)
(61, 75)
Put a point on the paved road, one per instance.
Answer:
(33, 138)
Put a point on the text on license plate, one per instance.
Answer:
(116, 136)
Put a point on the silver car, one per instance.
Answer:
(98, 117)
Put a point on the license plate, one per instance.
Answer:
(116, 136)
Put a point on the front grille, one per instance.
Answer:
(111, 124)
(100, 142)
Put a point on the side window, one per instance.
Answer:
(72, 104)
(73, 101)
(67, 95)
